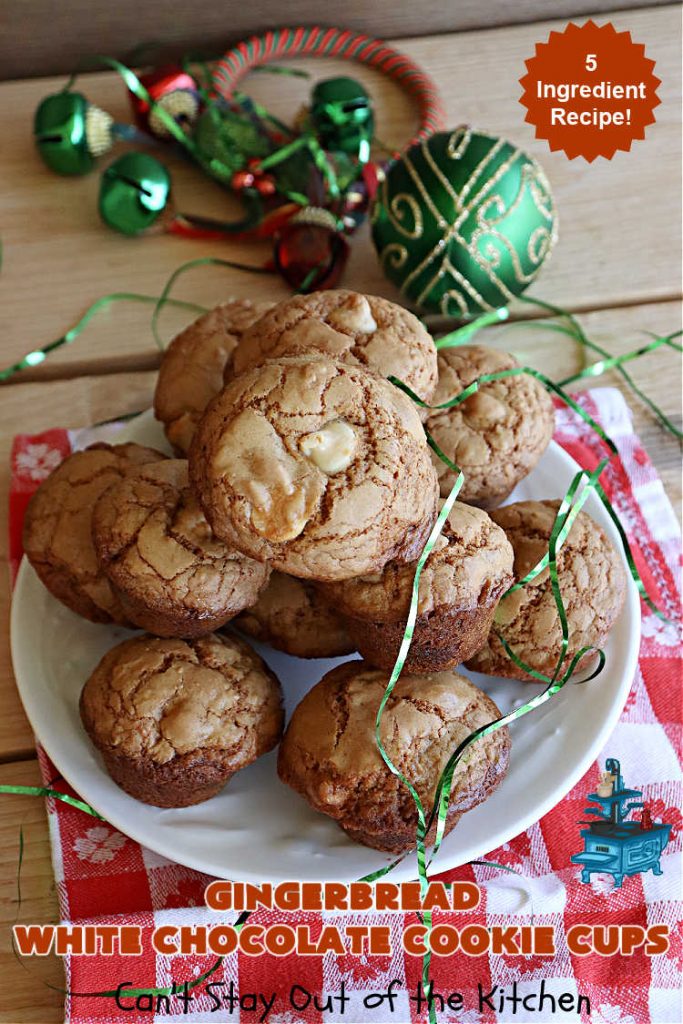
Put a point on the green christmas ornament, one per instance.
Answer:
(463, 222)
(70, 132)
(133, 192)
(342, 117)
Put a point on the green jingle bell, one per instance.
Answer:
(463, 222)
(59, 129)
(342, 117)
(70, 132)
(133, 192)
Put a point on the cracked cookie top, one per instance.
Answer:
(292, 616)
(158, 699)
(154, 543)
(316, 466)
(360, 329)
(469, 566)
(330, 755)
(192, 367)
(592, 581)
(498, 434)
(58, 527)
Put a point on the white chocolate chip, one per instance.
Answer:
(332, 447)
(281, 491)
(355, 315)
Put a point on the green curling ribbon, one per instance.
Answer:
(463, 334)
(514, 371)
(597, 369)
(592, 480)
(46, 791)
(441, 803)
(423, 827)
(586, 417)
(206, 261)
(37, 356)
(576, 331)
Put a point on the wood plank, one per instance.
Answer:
(620, 223)
(24, 995)
(27, 51)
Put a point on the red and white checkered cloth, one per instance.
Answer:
(104, 877)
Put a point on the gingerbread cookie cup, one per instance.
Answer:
(58, 528)
(292, 616)
(363, 330)
(174, 720)
(466, 573)
(316, 466)
(172, 576)
(593, 585)
(192, 367)
(329, 753)
(498, 434)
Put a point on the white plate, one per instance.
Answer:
(258, 828)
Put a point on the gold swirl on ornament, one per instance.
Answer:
(455, 150)
(431, 162)
(447, 267)
(501, 211)
(397, 215)
(454, 296)
(539, 187)
(539, 245)
(520, 276)
(479, 170)
(394, 255)
(427, 199)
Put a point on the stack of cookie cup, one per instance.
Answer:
(302, 500)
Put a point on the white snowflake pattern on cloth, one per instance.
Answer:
(37, 461)
(464, 1017)
(99, 845)
(602, 884)
(607, 1014)
(664, 633)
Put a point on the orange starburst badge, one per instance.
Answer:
(590, 91)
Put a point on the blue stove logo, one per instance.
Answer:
(613, 845)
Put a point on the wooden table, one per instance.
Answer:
(617, 263)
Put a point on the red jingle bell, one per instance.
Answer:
(310, 253)
(174, 90)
